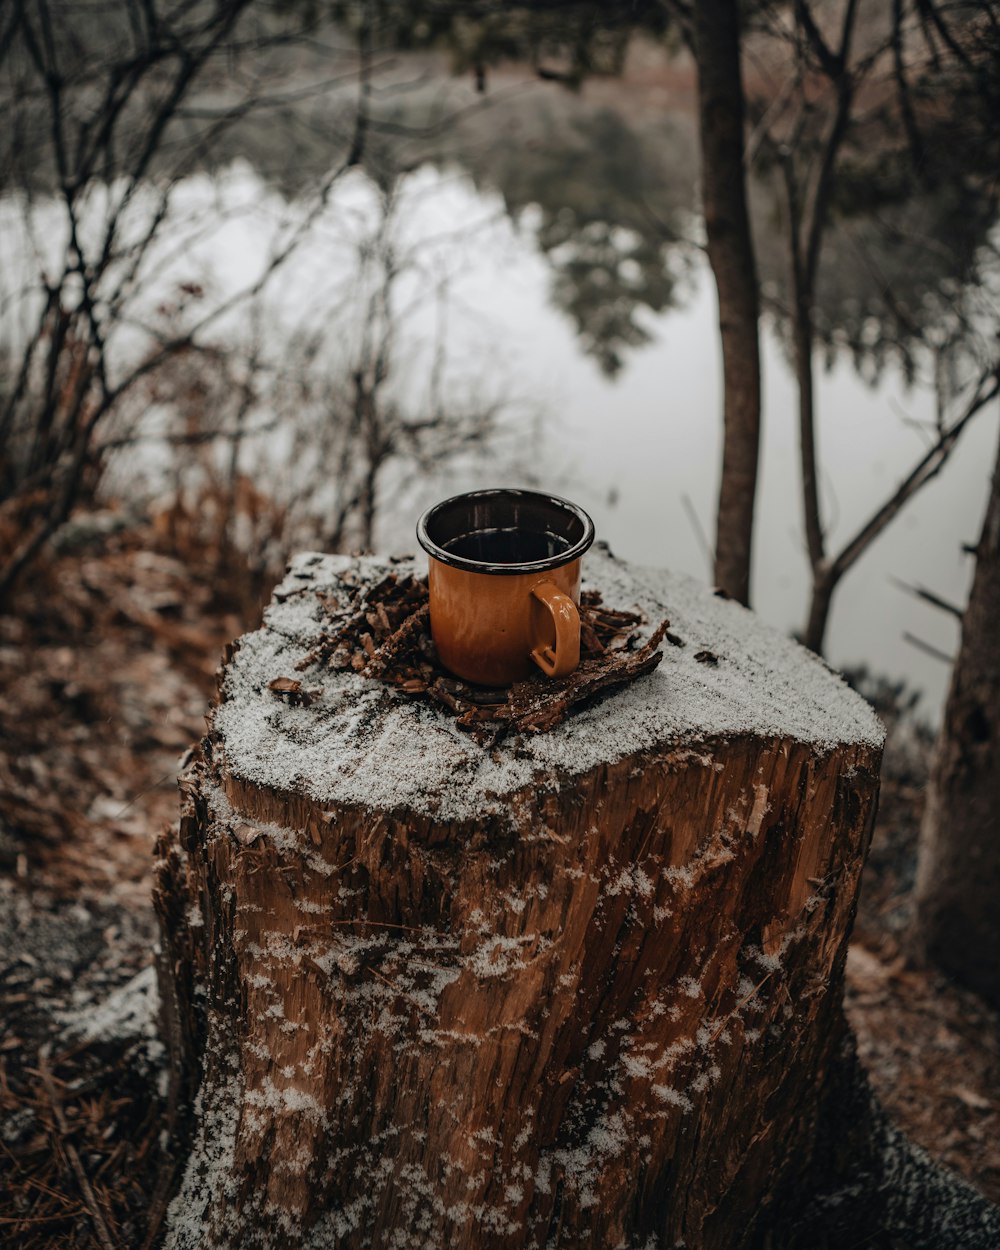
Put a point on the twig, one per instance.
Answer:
(699, 533)
(929, 465)
(742, 1003)
(142, 793)
(399, 640)
(929, 596)
(158, 1205)
(401, 992)
(928, 648)
(93, 1208)
(380, 924)
(386, 635)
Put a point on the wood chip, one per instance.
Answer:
(285, 685)
(245, 834)
(386, 636)
(972, 1099)
(292, 690)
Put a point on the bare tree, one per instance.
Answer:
(357, 401)
(812, 131)
(715, 32)
(99, 120)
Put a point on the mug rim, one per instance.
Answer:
(527, 566)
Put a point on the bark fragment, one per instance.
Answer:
(387, 636)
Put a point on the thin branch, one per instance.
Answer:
(190, 66)
(699, 533)
(928, 648)
(280, 99)
(93, 1207)
(903, 89)
(921, 592)
(815, 216)
(929, 11)
(929, 465)
(683, 15)
(830, 63)
(195, 438)
(174, 344)
(27, 360)
(362, 117)
(760, 136)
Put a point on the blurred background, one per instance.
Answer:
(346, 260)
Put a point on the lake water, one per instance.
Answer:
(631, 449)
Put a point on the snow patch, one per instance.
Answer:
(127, 1013)
(673, 1097)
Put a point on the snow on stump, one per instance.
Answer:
(580, 988)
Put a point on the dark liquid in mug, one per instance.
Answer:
(507, 546)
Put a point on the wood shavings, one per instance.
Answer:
(393, 744)
(387, 637)
(291, 688)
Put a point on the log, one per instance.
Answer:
(581, 988)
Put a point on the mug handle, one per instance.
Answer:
(561, 659)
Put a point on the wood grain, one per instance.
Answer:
(602, 1016)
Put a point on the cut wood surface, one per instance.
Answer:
(580, 988)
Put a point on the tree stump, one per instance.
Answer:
(579, 989)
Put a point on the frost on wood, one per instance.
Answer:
(359, 742)
(577, 990)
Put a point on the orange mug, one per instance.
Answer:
(504, 583)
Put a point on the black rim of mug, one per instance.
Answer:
(563, 506)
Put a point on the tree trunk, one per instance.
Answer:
(802, 337)
(958, 878)
(824, 584)
(870, 1186)
(730, 252)
(824, 576)
(579, 989)
(824, 579)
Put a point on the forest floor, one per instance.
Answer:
(107, 664)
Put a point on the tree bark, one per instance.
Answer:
(958, 879)
(716, 28)
(802, 341)
(824, 584)
(582, 989)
